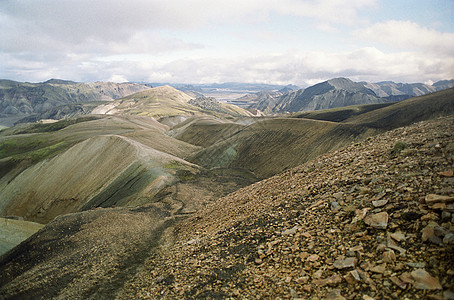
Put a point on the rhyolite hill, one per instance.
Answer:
(55, 98)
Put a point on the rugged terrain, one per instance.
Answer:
(127, 160)
(373, 220)
(337, 92)
(133, 193)
(56, 98)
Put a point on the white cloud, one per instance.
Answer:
(143, 40)
(409, 35)
(95, 25)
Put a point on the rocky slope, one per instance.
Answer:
(373, 220)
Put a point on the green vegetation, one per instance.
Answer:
(34, 148)
(51, 127)
(398, 147)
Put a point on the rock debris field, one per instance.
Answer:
(374, 220)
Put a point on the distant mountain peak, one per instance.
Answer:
(59, 81)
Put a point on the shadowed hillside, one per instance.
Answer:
(408, 111)
(270, 146)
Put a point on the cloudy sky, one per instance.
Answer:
(298, 42)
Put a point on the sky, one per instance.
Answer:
(299, 42)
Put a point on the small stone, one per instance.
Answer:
(449, 239)
(428, 233)
(401, 250)
(306, 234)
(433, 198)
(332, 280)
(381, 247)
(398, 282)
(389, 256)
(398, 236)
(430, 216)
(349, 262)
(366, 297)
(338, 195)
(318, 274)
(335, 206)
(446, 173)
(379, 220)
(293, 294)
(406, 277)
(380, 269)
(334, 295)
(439, 206)
(445, 215)
(424, 281)
(416, 264)
(290, 231)
(379, 203)
(313, 257)
(258, 261)
(302, 280)
(357, 249)
(352, 277)
(360, 214)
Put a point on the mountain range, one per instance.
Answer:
(337, 92)
(58, 99)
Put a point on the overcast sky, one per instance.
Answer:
(298, 42)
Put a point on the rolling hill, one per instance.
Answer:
(165, 101)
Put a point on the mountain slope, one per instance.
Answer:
(332, 93)
(408, 111)
(313, 231)
(270, 146)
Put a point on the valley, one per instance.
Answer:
(156, 175)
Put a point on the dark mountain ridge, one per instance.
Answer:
(339, 92)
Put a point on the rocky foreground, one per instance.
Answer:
(374, 220)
